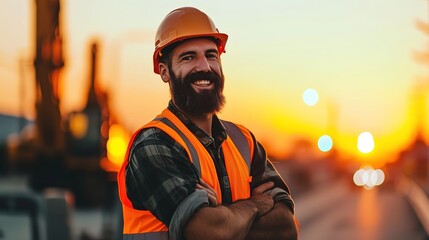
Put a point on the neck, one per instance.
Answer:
(204, 122)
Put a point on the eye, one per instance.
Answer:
(187, 58)
(212, 55)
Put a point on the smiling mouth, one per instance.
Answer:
(202, 83)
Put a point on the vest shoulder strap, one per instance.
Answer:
(239, 140)
(194, 155)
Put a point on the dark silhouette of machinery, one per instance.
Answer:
(48, 63)
(66, 151)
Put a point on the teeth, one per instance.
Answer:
(202, 82)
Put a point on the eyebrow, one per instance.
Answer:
(212, 50)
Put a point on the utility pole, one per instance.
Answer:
(48, 62)
(21, 93)
(49, 168)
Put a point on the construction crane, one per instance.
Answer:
(49, 144)
(48, 63)
(67, 152)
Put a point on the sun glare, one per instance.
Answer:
(365, 142)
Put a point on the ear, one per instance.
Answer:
(163, 72)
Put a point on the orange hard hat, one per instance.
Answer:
(184, 23)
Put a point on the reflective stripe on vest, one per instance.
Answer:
(146, 236)
(239, 140)
(194, 154)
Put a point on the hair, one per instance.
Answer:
(166, 53)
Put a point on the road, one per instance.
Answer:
(334, 211)
(341, 211)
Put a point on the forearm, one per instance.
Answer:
(279, 223)
(222, 222)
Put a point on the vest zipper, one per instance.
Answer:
(224, 180)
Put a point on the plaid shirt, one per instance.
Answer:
(160, 175)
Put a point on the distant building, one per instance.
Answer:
(414, 160)
(9, 126)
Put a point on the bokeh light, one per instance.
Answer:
(310, 97)
(325, 143)
(117, 144)
(368, 177)
(365, 142)
(79, 125)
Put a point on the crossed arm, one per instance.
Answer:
(255, 218)
(279, 223)
(147, 174)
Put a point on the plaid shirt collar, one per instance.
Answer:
(218, 129)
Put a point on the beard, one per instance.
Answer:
(197, 103)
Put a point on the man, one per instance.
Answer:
(187, 174)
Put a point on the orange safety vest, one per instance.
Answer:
(238, 153)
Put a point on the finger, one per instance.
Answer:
(205, 184)
(200, 186)
(209, 190)
(211, 194)
(212, 200)
(263, 187)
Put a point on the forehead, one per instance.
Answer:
(194, 45)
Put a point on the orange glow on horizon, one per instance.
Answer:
(365, 71)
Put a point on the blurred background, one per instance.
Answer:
(336, 91)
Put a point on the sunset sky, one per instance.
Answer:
(358, 55)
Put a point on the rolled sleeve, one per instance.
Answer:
(185, 211)
(280, 195)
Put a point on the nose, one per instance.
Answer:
(203, 65)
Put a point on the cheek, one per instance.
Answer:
(181, 73)
(217, 68)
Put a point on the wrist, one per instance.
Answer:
(253, 205)
(247, 207)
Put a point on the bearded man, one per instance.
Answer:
(187, 174)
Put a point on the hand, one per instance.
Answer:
(263, 201)
(211, 192)
(263, 188)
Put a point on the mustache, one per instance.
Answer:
(211, 76)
